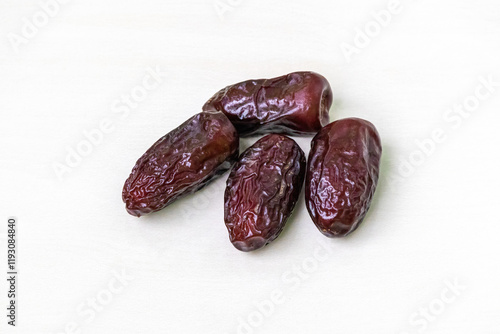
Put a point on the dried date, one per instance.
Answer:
(342, 175)
(296, 104)
(181, 162)
(262, 190)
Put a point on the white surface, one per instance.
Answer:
(438, 225)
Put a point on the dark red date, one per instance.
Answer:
(342, 175)
(181, 162)
(295, 104)
(262, 190)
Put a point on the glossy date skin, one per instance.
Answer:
(296, 104)
(181, 162)
(342, 175)
(262, 190)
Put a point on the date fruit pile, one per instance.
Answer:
(265, 181)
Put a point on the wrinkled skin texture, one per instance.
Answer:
(262, 190)
(294, 104)
(181, 162)
(342, 175)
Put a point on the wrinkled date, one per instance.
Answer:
(342, 175)
(181, 162)
(262, 190)
(295, 104)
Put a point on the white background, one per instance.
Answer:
(434, 221)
